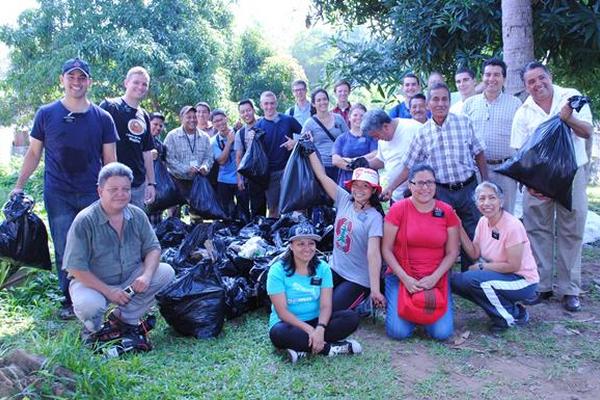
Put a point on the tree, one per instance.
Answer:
(181, 42)
(312, 50)
(517, 41)
(428, 34)
(256, 67)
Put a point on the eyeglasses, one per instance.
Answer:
(422, 184)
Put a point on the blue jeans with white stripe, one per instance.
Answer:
(398, 328)
(497, 293)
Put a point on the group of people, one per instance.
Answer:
(99, 174)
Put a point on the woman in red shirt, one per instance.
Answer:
(420, 244)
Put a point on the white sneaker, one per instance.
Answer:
(295, 355)
(349, 346)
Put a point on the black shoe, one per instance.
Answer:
(66, 312)
(539, 298)
(523, 318)
(571, 303)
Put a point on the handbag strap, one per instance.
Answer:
(404, 237)
(323, 127)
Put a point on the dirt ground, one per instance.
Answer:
(557, 356)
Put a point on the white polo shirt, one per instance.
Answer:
(529, 116)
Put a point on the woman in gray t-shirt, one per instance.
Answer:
(325, 126)
(358, 230)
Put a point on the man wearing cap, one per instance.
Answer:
(188, 151)
(76, 137)
(133, 125)
(224, 156)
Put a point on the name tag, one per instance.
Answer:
(316, 281)
(495, 235)
(437, 213)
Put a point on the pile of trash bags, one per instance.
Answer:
(221, 267)
(23, 235)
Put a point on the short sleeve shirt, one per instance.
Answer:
(73, 144)
(426, 235)
(275, 135)
(350, 146)
(227, 171)
(302, 296)
(93, 245)
(323, 142)
(510, 232)
(133, 126)
(352, 231)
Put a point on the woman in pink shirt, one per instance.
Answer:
(505, 274)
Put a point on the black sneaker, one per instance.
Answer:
(294, 355)
(131, 343)
(522, 319)
(66, 312)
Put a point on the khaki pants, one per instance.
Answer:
(544, 218)
(90, 305)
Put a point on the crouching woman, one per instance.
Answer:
(300, 288)
(420, 244)
(506, 274)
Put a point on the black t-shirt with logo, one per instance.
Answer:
(133, 126)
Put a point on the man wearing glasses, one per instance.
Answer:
(302, 109)
(491, 114)
(448, 143)
(77, 138)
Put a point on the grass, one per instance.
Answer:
(593, 193)
(242, 364)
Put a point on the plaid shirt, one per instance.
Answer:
(183, 152)
(449, 148)
(492, 122)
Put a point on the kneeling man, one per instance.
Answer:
(112, 256)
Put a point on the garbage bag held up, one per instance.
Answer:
(193, 304)
(300, 188)
(546, 162)
(23, 235)
(203, 199)
(167, 194)
(255, 163)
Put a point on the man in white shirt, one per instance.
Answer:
(545, 101)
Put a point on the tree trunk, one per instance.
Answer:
(517, 42)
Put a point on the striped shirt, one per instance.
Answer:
(492, 122)
(449, 149)
(185, 151)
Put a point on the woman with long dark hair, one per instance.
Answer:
(300, 288)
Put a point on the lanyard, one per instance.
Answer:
(192, 148)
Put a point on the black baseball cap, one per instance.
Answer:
(76, 63)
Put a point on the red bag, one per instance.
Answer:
(424, 307)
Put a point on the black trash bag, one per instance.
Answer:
(255, 163)
(171, 232)
(258, 279)
(193, 304)
(203, 199)
(23, 235)
(300, 188)
(238, 296)
(193, 241)
(167, 193)
(546, 162)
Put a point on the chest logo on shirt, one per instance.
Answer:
(136, 126)
(343, 237)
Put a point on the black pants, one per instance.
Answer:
(340, 326)
(252, 201)
(347, 295)
(225, 193)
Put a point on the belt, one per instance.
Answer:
(457, 186)
(497, 162)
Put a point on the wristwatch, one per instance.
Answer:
(322, 325)
(151, 184)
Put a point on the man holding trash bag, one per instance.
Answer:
(76, 138)
(112, 255)
(543, 216)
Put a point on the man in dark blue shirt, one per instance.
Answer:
(278, 140)
(76, 137)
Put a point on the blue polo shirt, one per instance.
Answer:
(275, 135)
(72, 145)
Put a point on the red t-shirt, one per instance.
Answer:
(426, 235)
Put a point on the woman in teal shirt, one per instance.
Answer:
(300, 287)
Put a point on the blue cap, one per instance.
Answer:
(76, 63)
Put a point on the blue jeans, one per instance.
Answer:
(62, 207)
(495, 292)
(399, 328)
